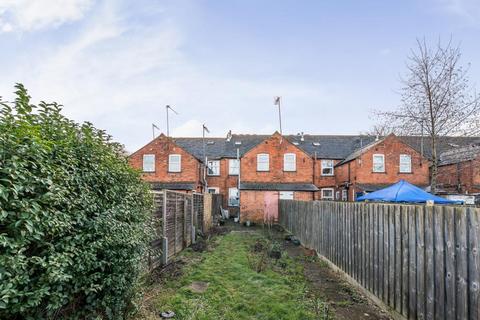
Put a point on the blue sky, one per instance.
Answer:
(118, 63)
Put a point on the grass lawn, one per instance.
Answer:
(235, 289)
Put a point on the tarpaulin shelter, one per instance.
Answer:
(405, 192)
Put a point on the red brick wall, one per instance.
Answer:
(463, 177)
(162, 147)
(361, 169)
(224, 181)
(276, 147)
(252, 203)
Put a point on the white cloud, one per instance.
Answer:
(120, 74)
(28, 15)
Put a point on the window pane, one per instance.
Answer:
(174, 163)
(378, 163)
(263, 162)
(289, 162)
(148, 162)
(233, 167)
(286, 195)
(405, 163)
(213, 168)
(327, 167)
(233, 197)
(327, 194)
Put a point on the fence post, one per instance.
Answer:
(185, 240)
(164, 231)
(192, 212)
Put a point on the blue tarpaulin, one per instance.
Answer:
(403, 191)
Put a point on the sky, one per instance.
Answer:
(118, 63)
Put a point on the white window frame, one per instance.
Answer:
(152, 168)
(327, 198)
(404, 156)
(324, 166)
(378, 155)
(215, 190)
(337, 195)
(286, 195)
(344, 195)
(216, 166)
(232, 169)
(173, 166)
(236, 202)
(263, 164)
(290, 165)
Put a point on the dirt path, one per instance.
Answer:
(346, 302)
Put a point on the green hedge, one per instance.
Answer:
(73, 217)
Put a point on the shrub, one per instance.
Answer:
(73, 217)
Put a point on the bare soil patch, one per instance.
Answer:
(346, 301)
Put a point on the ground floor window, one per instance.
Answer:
(286, 195)
(213, 190)
(344, 195)
(233, 197)
(327, 194)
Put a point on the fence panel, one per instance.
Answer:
(421, 261)
(176, 217)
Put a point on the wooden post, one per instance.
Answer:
(164, 230)
(185, 242)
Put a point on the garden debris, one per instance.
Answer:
(259, 246)
(172, 270)
(296, 242)
(198, 286)
(199, 246)
(167, 314)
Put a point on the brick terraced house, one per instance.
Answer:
(253, 171)
(379, 164)
(459, 170)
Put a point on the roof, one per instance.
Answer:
(278, 186)
(360, 151)
(458, 155)
(172, 185)
(338, 147)
(329, 146)
(216, 148)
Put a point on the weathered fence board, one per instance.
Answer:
(421, 261)
(176, 217)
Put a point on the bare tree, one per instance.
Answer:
(380, 129)
(436, 98)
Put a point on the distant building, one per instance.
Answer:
(253, 172)
(459, 170)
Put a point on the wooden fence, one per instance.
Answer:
(177, 217)
(421, 261)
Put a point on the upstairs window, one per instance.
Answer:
(174, 163)
(213, 168)
(148, 163)
(263, 162)
(289, 162)
(378, 163)
(405, 163)
(233, 167)
(327, 167)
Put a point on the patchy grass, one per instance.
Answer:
(235, 289)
